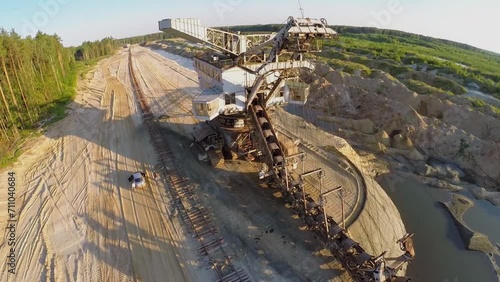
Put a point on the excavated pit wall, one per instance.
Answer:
(439, 128)
(379, 224)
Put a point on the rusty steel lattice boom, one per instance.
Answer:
(231, 43)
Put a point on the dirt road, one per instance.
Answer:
(78, 218)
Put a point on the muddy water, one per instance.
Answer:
(485, 218)
(441, 255)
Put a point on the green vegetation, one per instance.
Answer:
(35, 72)
(476, 103)
(340, 62)
(463, 146)
(408, 56)
(144, 38)
(36, 76)
(82, 67)
(454, 64)
(37, 80)
(443, 84)
(422, 87)
(448, 85)
(97, 49)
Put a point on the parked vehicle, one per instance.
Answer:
(137, 179)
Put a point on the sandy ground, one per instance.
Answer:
(78, 218)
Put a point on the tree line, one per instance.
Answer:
(144, 38)
(90, 50)
(95, 49)
(34, 72)
(37, 79)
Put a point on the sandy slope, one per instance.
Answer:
(79, 220)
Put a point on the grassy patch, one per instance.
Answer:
(496, 110)
(83, 67)
(477, 103)
(423, 88)
(12, 150)
(9, 158)
(349, 67)
(392, 50)
(342, 65)
(449, 85)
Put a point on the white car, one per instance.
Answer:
(137, 179)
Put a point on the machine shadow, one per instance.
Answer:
(117, 245)
(100, 127)
(254, 214)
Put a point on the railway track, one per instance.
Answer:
(173, 68)
(191, 210)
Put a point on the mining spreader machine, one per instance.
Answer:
(241, 78)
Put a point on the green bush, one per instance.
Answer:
(448, 85)
(349, 67)
(477, 103)
(422, 87)
(464, 63)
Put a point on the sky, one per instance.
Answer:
(473, 22)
